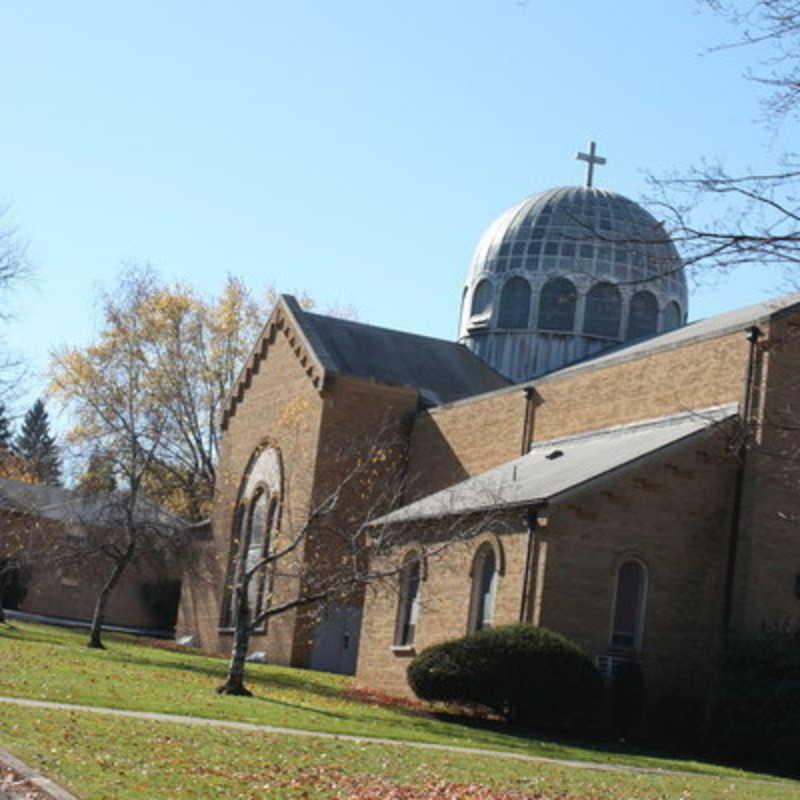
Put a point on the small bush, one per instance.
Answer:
(523, 673)
(162, 596)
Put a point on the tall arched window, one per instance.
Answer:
(557, 303)
(262, 512)
(603, 311)
(643, 317)
(408, 609)
(515, 304)
(481, 298)
(672, 316)
(629, 606)
(254, 522)
(484, 589)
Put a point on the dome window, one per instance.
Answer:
(603, 311)
(672, 316)
(643, 319)
(557, 303)
(515, 304)
(481, 298)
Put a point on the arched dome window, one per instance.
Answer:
(481, 297)
(557, 303)
(515, 304)
(643, 318)
(672, 316)
(603, 311)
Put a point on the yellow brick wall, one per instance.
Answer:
(280, 406)
(769, 548)
(698, 375)
(454, 442)
(672, 514)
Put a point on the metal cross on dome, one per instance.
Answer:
(591, 158)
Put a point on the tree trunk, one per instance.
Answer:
(234, 683)
(99, 617)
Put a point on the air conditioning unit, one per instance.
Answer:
(608, 665)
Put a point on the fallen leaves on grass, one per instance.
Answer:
(373, 697)
(16, 787)
(374, 788)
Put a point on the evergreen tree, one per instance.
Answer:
(37, 447)
(5, 428)
(99, 474)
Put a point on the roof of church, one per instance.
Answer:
(555, 469)
(731, 321)
(65, 505)
(443, 371)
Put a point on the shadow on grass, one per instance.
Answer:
(9, 631)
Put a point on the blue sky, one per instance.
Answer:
(354, 150)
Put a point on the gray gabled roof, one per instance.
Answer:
(64, 505)
(442, 371)
(554, 470)
(709, 328)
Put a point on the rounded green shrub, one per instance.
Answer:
(523, 673)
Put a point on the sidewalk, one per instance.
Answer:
(248, 726)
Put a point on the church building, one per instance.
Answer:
(626, 478)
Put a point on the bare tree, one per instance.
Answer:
(340, 547)
(14, 268)
(108, 390)
(722, 219)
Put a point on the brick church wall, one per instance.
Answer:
(456, 441)
(768, 561)
(359, 417)
(698, 375)
(453, 442)
(285, 412)
(59, 587)
(671, 514)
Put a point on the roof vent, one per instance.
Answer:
(554, 455)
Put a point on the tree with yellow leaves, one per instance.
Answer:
(176, 355)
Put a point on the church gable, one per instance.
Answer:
(282, 322)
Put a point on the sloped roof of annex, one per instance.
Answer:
(555, 470)
(76, 507)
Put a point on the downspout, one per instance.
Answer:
(753, 335)
(532, 520)
(527, 424)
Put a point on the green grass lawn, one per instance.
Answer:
(91, 752)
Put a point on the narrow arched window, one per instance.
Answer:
(629, 605)
(515, 304)
(484, 588)
(408, 611)
(643, 317)
(481, 298)
(557, 303)
(672, 316)
(255, 548)
(603, 311)
(237, 532)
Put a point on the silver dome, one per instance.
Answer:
(565, 274)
